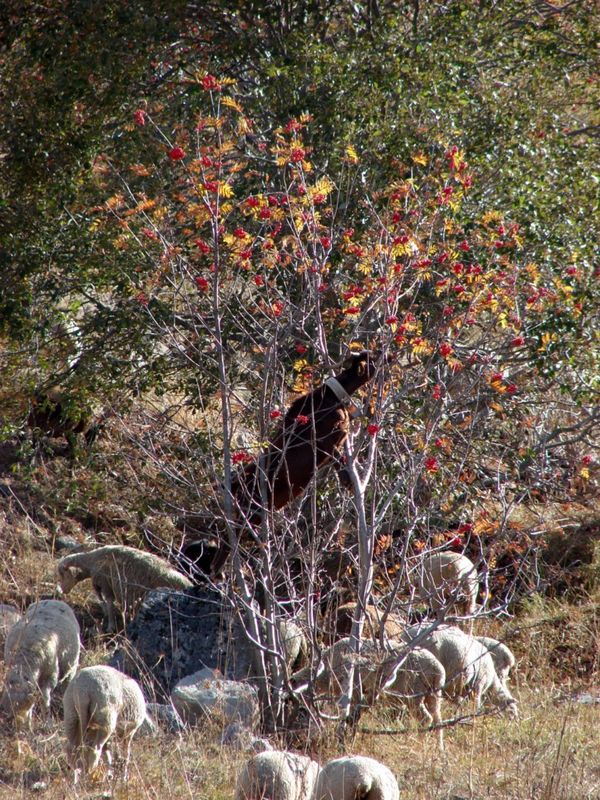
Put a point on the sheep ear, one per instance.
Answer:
(67, 572)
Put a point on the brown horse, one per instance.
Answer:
(310, 436)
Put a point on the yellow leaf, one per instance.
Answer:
(546, 339)
(242, 127)
(422, 349)
(491, 218)
(532, 271)
(420, 158)
(351, 154)
(399, 250)
(585, 473)
(114, 202)
(322, 186)
(231, 103)
(225, 190)
(482, 525)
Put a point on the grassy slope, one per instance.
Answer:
(550, 753)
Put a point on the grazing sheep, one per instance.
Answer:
(331, 672)
(328, 678)
(448, 583)
(8, 616)
(54, 412)
(393, 627)
(503, 658)
(312, 434)
(413, 677)
(469, 666)
(277, 775)
(100, 703)
(42, 654)
(121, 576)
(356, 778)
(293, 643)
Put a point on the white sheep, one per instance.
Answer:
(277, 775)
(412, 676)
(42, 654)
(356, 778)
(448, 583)
(344, 616)
(8, 616)
(329, 675)
(100, 704)
(121, 576)
(502, 656)
(293, 643)
(469, 666)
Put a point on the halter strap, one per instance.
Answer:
(341, 394)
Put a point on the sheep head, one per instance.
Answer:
(68, 577)
(19, 693)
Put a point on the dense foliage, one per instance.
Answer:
(216, 202)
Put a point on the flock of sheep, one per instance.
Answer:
(417, 666)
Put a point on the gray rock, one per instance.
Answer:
(175, 634)
(237, 736)
(259, 745)
(165, 716)
(65, 543)
(148, 727)
(206, 695)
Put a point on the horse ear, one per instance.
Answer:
(355, 358)
(361, 365)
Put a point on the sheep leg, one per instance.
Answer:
(433, 703)
(107, 600)
(108, 758)
(24, 721)
(74, 745)
(96, 739)
(111, 614)
(127, 757)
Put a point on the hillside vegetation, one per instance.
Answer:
(205, 209)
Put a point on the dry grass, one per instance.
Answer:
(550, 753)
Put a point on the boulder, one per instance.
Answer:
(164, 716)
(148, 727)
(207, 695)
(240, 738)
(175, 634)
